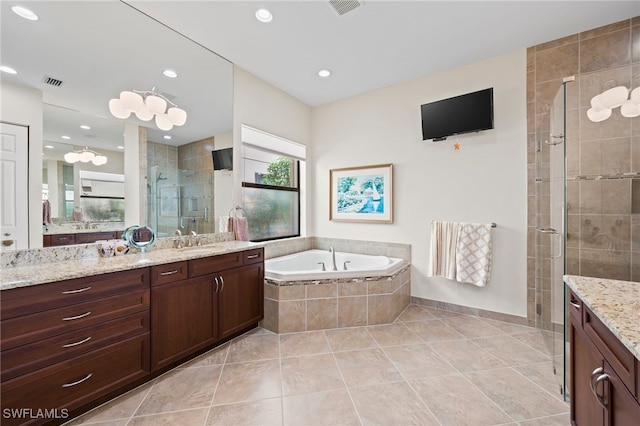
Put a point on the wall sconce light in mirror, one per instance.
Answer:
(146, 104)
(85, 155)
(603, 104)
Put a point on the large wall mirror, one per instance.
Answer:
(73, 60)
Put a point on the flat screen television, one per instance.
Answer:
(461, 114)
(222, 159)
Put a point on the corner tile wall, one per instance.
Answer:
(603, 226)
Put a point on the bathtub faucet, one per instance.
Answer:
(333, 258)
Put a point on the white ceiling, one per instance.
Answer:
(377, 44)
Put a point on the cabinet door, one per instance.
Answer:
(585, 359)
(622, 408)
(183, 319)
(241, 298)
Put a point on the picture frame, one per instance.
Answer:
(169, 201)
(361, 194)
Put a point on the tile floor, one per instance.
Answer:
(431, 367)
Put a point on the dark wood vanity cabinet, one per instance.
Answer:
(52, 240)
(603, 373)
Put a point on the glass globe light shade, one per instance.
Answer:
(630, 109)
(156, 104)
(117, 110)
(596, 103)
(598, 116)
(163, 122)
(99, 160)
(131, 101)
(86, 156)
(71, 157)
(613, 98)
(634, 96)
(144, 114)
(177, 116)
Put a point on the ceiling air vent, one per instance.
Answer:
(343, 6)
(52, 81)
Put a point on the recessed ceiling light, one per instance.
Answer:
(25, 13)
(167, 136)
(120, 147)
(324, 73)
(84, 126)
(65, 137)
(170, 73)
(49, 146)
(8, 70)
(263, 15)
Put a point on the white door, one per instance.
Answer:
(14, 192)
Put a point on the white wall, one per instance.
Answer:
(23, 105)
(262, 106)
(485, 181)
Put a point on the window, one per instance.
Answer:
(270, 185)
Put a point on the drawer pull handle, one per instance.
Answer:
(252, 256)
(575, 305)
(86, 314)
(175, 271)
(70, 345)
(68, 385)
(80, 290)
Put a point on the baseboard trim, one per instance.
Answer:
(452, 307)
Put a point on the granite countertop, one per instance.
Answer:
(41, 273)
(616, 303)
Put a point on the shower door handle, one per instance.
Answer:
(555, 233)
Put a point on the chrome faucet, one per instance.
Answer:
(177, 242)
(333, 258)
(193, 239)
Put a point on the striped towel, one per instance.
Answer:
(444, 237)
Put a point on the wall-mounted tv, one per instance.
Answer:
(461, 114)
(222, 159)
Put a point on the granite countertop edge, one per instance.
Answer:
(43, 273)
(616, 303)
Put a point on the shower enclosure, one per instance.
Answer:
(551, 231)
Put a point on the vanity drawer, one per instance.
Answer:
(30, 328)
(62, 239)
(33, 356)
(169, 273)
(77, 381)
(617, 355)
(253, 256)
(213, 264)
(92, 237)
(37, 298)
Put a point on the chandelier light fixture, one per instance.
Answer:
(85, 155)
(146, 104)
(602, 105)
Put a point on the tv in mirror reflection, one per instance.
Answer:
(222, 159)
(467, 113)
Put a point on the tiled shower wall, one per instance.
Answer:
(196, 167)
(603, 217)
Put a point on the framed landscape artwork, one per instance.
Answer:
(361, 194)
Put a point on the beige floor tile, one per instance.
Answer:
(542, 375)
(215, 356)
(466, 356)
(367, 367)
(518, 397)
(80, 421)
(320, 408)
(418, 361)
(350, 339)
(558, 420)
(470, 326)
(265, 412)
(391, 404)
(254, 348)
(533, 339)
(414, 313)
(507, 327)
(181, 389)
(439, 313)
(510, 351)
(393, 335)
(248, 382)
(309, 343)
(183, 418)
(121, 407)
(433, 331)
(455, 401)
(312, 373)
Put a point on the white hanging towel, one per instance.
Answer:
(444, 238)
(223, 224)
(473, 254)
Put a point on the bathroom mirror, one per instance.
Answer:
(77, 58)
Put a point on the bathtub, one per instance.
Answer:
(306, 266)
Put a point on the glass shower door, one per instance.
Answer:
(551, 232)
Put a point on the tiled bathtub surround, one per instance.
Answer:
(328, 304)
